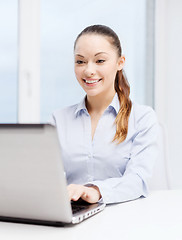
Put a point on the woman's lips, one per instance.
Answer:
(91, 80)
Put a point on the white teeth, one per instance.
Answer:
(91, 81)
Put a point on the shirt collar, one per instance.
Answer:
(115, 105)
(81, 107)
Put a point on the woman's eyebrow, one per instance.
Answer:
(100, 53)
(79, 55)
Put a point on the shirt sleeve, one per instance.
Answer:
(144, 152)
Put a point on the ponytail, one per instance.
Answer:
(123, 90)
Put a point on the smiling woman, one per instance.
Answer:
(102, 62)
(108, 142)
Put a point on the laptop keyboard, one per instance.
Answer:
(77, 207)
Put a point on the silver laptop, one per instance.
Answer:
(33, 186)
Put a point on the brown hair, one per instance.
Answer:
(121, 84)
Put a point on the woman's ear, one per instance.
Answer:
(121, 62)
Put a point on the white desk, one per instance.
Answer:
(159, 216)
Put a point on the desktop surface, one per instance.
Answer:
(159, 216)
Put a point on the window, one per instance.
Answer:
(46, 31)
(61, 21)
(8, 61)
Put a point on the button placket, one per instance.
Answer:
(89, 158)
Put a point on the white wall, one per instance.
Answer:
(168, 81)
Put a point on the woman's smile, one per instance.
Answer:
(91, 81)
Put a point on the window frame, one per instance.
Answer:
(29, 62)
(29, 59)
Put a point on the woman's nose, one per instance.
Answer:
(89, 69)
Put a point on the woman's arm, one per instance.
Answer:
(139, 168)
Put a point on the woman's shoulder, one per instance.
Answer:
(143, 115)
(141, 108)
(61, 114)
(66, 110)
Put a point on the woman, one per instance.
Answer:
(108, 143)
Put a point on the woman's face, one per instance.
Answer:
(96, 64)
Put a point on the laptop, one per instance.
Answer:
(33, 187)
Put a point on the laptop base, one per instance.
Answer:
(33, 222)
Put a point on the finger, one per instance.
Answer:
(91, 195)
(70, 193)
(84, 196)
(75, 196)
(71, 190)
(75, 192)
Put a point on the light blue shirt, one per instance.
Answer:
(119, 170)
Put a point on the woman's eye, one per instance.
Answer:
(79, 62)
(100, 61)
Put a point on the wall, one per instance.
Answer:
(168, 82)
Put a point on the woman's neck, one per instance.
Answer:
(98, 104)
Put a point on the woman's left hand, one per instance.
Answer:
(89, 194)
